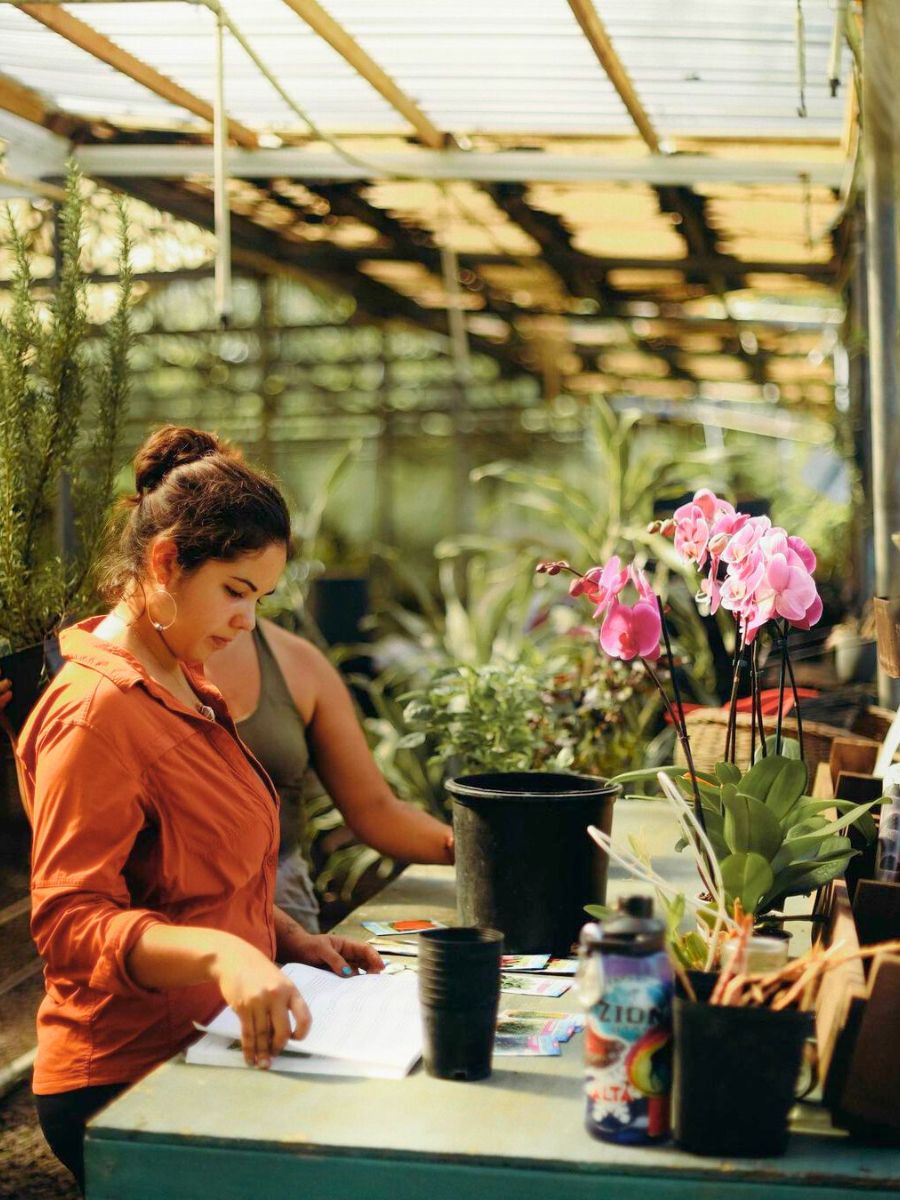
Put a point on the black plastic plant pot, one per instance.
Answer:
(735, 1078)
(458, 1043)
(524, 862)
(25, 670)
(460, 968)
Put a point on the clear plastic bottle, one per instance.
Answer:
(625, 984)
(887, 865)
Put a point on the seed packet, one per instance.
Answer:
(575, 1018)
(394, 945)
(533, 985)
(393, 928)
(509, 1044)
(524, 962)
(560, 966)
(561, 1031)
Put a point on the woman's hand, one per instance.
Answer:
(262, 996)
(337, 954)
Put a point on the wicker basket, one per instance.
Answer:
(707, 726)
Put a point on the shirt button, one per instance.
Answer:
(271, 859)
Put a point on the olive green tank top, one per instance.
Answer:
(276, 735)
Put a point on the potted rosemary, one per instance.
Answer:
(56, 381)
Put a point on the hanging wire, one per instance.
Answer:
(801, 59)
(221, 207)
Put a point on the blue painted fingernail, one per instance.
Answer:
(346, 971)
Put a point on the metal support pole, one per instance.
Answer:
(459, 344)
(879, 88)
(222, 211)
(859, 439)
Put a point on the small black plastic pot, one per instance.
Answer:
(459, 993)
(735, 1077)
(524, 861)
(25, 670)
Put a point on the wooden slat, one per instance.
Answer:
(350, 50)
(22, 101)
(595, 32)
(95, 43)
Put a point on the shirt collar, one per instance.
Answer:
(78, 643)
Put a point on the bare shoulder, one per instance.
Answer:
(303, 665)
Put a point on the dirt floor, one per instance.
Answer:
(28, 1171)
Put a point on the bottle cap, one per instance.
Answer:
(632, 930)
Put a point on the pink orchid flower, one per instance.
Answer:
(741, 582)
(711, 505)
(746, 539)
(812, 616)
(691, 533)
(630, 632)
(807, 557)
(601, 585)
(787, 589)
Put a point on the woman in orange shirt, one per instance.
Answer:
(155, 830)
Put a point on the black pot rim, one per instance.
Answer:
(514, 785)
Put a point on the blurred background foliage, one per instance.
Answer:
(442, 497)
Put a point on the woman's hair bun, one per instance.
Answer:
(170, 447)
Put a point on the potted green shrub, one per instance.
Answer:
(53, 384)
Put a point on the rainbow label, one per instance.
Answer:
(628, 1050)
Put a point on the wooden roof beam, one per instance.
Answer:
(595, 32)
(365, 66)
(86, 38)
(555, 241)
(263, 250)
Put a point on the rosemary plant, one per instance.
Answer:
(52, 388)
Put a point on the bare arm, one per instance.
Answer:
(169, 956)
(345, 763)
(338, 954)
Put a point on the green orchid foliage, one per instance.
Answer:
(773, 840)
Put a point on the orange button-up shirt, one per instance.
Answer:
(143, 812)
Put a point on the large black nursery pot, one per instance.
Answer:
(524, 861)
(735, 1077)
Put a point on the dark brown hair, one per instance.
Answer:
(196, 490)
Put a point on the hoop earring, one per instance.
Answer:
(161, 626)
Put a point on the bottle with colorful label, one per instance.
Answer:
(625, 984)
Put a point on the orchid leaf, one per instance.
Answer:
(747, 877)
(810, 849)
(803, 877)
(837, 825)
(788, 786)
(790, 748)
(727, 772)
(750, 826)
(762, 775)
(814, 808)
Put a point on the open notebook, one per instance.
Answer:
(366, 1025)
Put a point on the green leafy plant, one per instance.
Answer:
(53, 385)
(771, 839)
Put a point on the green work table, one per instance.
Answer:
(192, 1132)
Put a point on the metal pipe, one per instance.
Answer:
(222, 211)
(879, 131)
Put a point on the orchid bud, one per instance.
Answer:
(654, 527)
(667, 528)
(718, 543)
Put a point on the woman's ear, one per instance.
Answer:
(162, 560)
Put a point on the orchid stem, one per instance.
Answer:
(781, 672)
(790, 669)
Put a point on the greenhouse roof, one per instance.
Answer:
(641, 196)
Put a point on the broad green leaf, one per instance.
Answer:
(812, 848)
(747, 877)
(814, 808)
(840, 823)
(757, 781)
(727, 772)
(750, 826)
(790, 748)
(787, 787)
(803, 877)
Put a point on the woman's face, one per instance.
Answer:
(216, 602)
